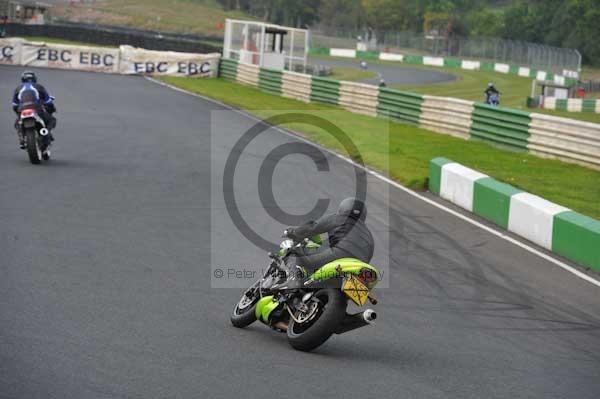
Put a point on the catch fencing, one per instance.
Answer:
(567, 77)
(551, 137)
(534, 55)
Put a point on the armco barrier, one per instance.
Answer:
(566, 139)
(500, 126)
(551, 226)
(125, 60)
(400, 106)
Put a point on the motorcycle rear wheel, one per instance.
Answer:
(312, 333)
(33, 147)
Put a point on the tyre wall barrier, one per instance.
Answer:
(400, 106)
(323, 90)
(568, 77)
(551, 137)
(124, 60)
(566, 139)
(551, 226)
(446, 115)
(501, 126)
(572, 104)
(359, 98)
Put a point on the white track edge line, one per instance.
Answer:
(495, 232)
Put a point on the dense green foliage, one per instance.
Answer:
(562, 23)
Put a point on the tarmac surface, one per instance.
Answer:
(393, 75)
(109, 252)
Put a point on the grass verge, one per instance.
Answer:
(410, 149)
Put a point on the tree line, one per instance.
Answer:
(561, 23)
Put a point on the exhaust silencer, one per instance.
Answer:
(44, 132)
(358, 320)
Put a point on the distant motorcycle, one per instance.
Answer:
(493, 100)
(33, 131)
(312, 305)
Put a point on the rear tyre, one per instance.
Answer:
(323, 318)
(33, 148)
(244, 312)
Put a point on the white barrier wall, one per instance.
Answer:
(81, 58)
(10, 51)
(146, 62)
(126, 60)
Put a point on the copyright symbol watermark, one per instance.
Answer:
(267, 169)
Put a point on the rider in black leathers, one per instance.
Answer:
(348, 236)
(491, 89)
(31, 94)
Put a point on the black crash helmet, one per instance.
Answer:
(354, 208)
(28, 76)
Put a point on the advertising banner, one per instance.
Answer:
(136, 61)
(82, 58)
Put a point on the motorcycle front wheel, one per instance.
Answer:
(244, 312)
(326, 310)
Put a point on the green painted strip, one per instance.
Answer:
(487, 66)
(533, 73)
(228, 69)
(324, 90)
(452, 63)
(561, 105)
(549, 76)
(589, 105)
(435, 174)
(513, 69)
(319, 51)
(369, 55)
(399, 105)
(269, 80)
(491, 200)
(413, 59)
(577, 237)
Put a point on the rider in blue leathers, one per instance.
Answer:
(31, 94)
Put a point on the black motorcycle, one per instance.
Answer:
(33, 132)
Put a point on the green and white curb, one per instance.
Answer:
(551, 226)
(572, 104)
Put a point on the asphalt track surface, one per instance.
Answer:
(393, 75)
(106, 254)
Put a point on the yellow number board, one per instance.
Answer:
(355, 290)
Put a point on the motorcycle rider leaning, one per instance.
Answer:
(348, 237)
(347, 233)
(31, 94)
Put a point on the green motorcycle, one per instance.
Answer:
(309, 307)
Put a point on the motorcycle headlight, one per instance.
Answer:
(286, 244)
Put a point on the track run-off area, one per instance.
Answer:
(107, 251)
